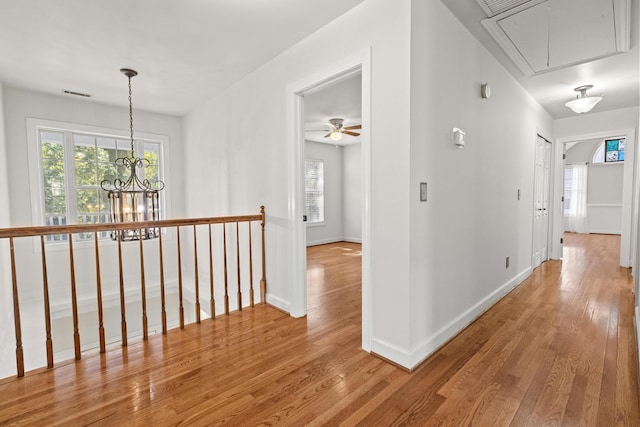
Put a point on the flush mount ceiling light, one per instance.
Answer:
(134, 199)
(583, 103)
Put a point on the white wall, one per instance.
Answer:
(343, 193)
(240, 129)
(436, 265)
(7, 340)
(331, 229)
(352, 193)
(604, 188)
(472, 220)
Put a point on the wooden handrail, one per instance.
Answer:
(88, 229)
(46, 230)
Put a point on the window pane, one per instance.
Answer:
(53, 173)
(87, 201)
(568, 180)
(314, 190)
(52, 151)
(51, 137)
(614, 150)
(84, 140)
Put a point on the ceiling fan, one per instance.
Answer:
(337, 129)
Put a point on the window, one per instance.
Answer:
(73, 163)
(568, 189)
(610, 151)
(314, 190)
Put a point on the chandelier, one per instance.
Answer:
(134, 199)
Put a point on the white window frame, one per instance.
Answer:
(320, 222)
(34, 152)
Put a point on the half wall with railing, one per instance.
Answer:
(84, 293)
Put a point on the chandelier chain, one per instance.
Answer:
(131, 117)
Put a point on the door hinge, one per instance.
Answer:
(564, 157)
(562, 199)
(561, 240)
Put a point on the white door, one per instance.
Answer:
(541, 202)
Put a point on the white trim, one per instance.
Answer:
(392, 352)
(412, 359)
(602, 231)
(637, 324)
(622, 27)
(604, 205)
(357, 63)
(279, 303)
(628, 235)
(493, 28)
(334, 240)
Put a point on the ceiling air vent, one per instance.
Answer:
(494, 7)
(70, 92)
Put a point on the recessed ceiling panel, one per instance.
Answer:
(553, 34)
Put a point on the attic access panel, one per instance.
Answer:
(543, 35)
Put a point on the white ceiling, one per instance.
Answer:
(615, 76)
(184, 51)
(342, 99)
(187, 51)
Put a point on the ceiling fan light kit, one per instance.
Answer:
(337, 130)
(583, 103)
(335, 135)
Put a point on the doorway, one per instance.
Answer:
(628, 233)
(359, 63)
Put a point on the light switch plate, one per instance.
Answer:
(423, 191)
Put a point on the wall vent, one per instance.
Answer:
(495, 7)
(70, 92)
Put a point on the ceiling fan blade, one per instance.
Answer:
(316, 130)
(351, 133)
(353, 127)
(328, 135)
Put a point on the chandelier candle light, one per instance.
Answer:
(133, 200)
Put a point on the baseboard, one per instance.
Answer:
(279, 303)
(352, 240)
(394, 354)
(411, 359)
(324, 241)
(334, 240)
(596, 231)
(638, 335)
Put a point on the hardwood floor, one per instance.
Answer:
(558, 350)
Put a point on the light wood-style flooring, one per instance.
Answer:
(558, 350)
